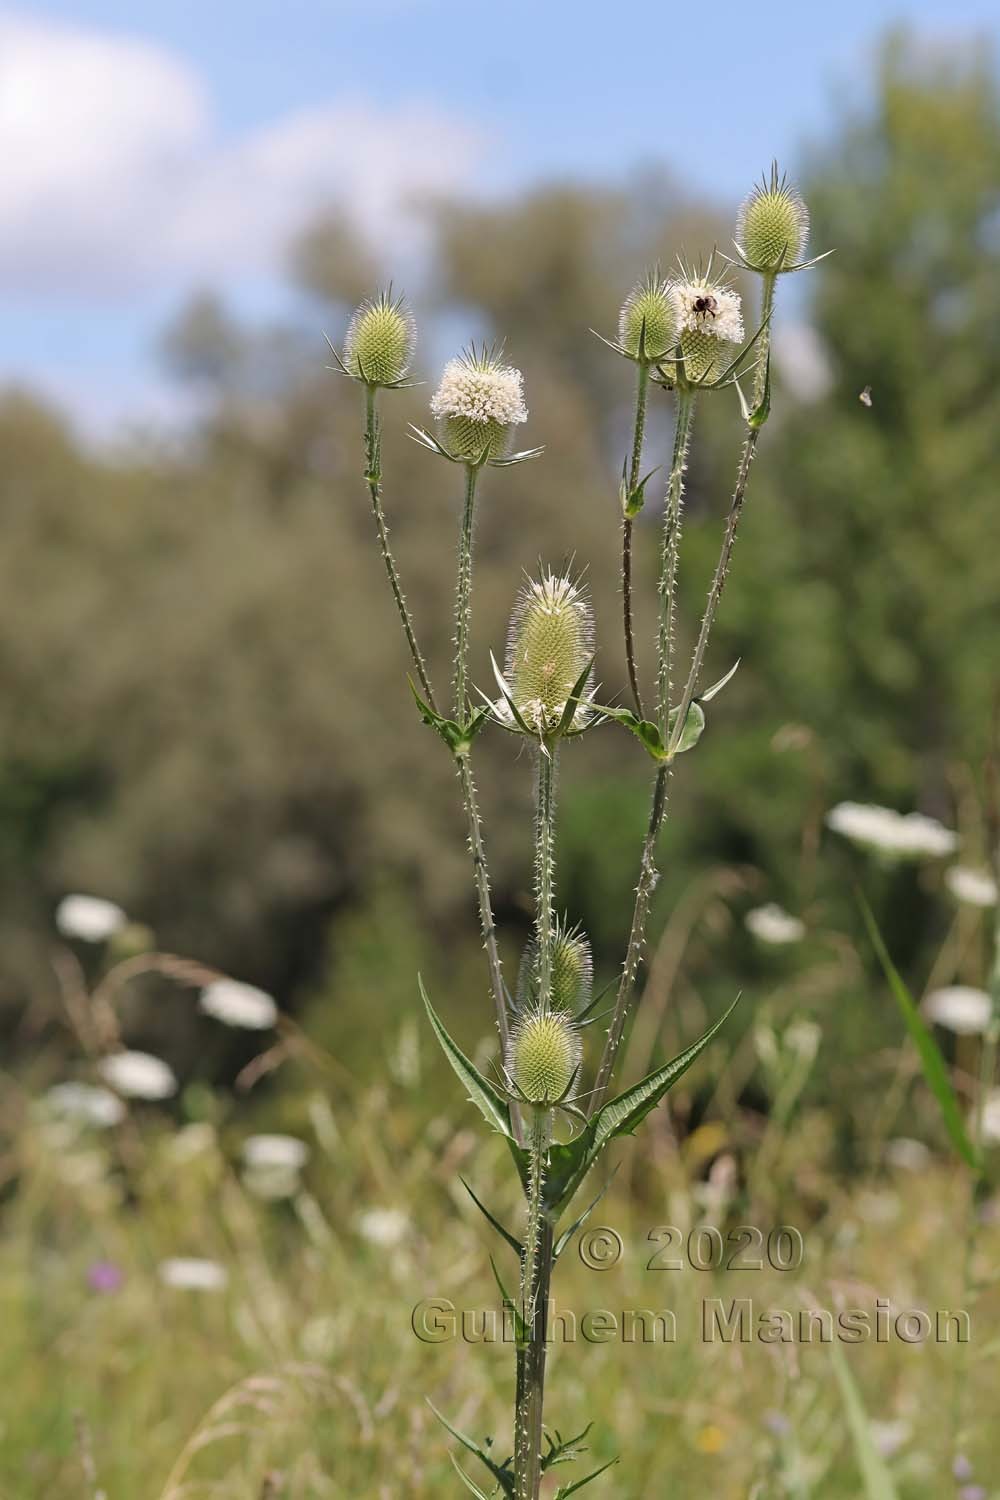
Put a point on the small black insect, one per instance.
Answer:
(706, 304)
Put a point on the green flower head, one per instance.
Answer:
(572, 971)
(380, 340)
(479, 403)
(772, 228)
(648, 314)
(549, 646)
(544, 1055)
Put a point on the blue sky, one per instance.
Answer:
(174, 144)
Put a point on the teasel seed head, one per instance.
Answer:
(381, 338)
(711, 326)
(648, 315)
(572, 971)
(549, 645)
(772, 227)
(544, 1054)
(479, 403)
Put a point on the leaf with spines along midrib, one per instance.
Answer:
(569, 1164)
(491, 1104)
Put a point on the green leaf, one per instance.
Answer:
(717, 687)
(568, 1234)
(514, 1244)
(458, 737)
(491, 1104)
(565, 1451)
(470, 1484)
(521, 1338)
(569, 1164)
(694, 727)
(877, 1479)
(761, 412)
(502, 1475)
(574, 698)
(931, 1061)
(571, 1489)
(643, 730)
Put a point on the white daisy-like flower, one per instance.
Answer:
(285, 1151)
(972, 887)
(384, 1227)
(138, 1075)
(959, 1008)
(191, 1274)
(898, 835)
(85, 1104)
(772, 924)
(237, 1004)
(90, 919)
(705, 306)
(480, 389)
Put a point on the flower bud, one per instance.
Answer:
(478, 403)
(572, 971)
(772, 228)
(711, 325)
(648, 314)
(544, 1054)
(549, 645)
(380, 340)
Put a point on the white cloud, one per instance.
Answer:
(117, 176)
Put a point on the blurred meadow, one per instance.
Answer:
(206, 722)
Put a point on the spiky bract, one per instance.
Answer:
(772, 227)
(478, 403)
(544, 1055)
(572, 971)
(549, 645)
(648, 316)
(380, 340)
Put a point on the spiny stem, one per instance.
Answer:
(668, 555)
(536, 1272)
(482, 878)
(635, 465)
(718, 583)
(463, 597)
(373, 478)
(545, 871)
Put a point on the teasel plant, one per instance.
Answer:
(685, 334)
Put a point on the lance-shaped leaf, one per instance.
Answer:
(488, 1100)
(568, 1234)
(514, 1244)
(470, 1484)
(571, 1489)
(501, 1474)
(931, 1061)
(573, 701)
(878, 1483)
(717, 687)
(458, 737)
(521, 1336)
(569, 1164)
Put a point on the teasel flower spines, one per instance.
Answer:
(544, 1055)
(478, 403)
(710, 321)
(381, 339)
(550, 645)
(647, 323)
(572, 972)
(772, 226)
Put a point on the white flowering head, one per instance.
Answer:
(648, 317)
(138, 1075)
(960, 1008)
(549, 646)
(572, 978)
(275, 1151)
(772, 227)
(710, 323)
(971, 887)
(384, 1227)
(190, 1273)
(236, 1004)
(381, 338)
(85, 1104)
(479, 403)
(544, 1055)
(891, 834)
(772, 924)
(90, 919)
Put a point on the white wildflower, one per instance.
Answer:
(772, 924)
(138, 1075)
(973, 887)
(991, 1118)
(480, 390)
(190, 1274)
(237, 1004)
(285, 1151)
(703, 306)
(959, 1008)
(898, 835)
(907, 1154)
(272, 1183)
(85, 1104)
(383, 1226)
(89, 918)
